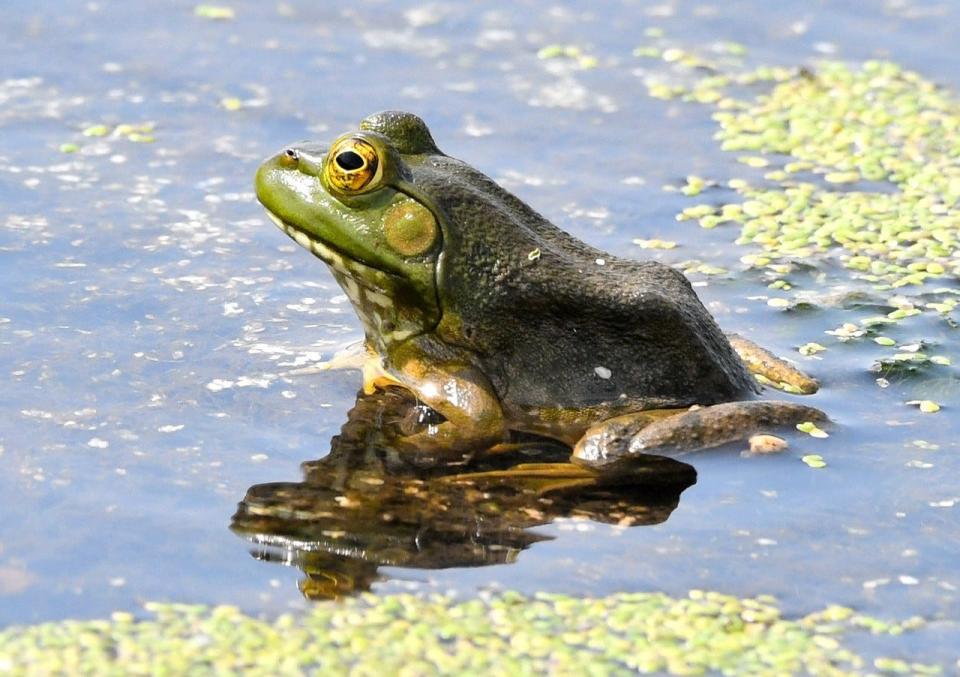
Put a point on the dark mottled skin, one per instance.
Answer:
(540, 327)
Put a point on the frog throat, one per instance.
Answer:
(331, 257)
(369, 290)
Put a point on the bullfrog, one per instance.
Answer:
(504, 326)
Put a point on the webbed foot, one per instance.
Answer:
(352, 356)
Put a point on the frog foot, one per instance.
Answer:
(352, 356)
(617, 442)
(771, 370)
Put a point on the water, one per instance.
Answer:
(150, 311)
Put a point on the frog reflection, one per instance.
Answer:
(367, 505)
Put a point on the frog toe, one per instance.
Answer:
(772, 370)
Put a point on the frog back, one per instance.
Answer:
(553, 321)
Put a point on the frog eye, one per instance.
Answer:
(353, 166)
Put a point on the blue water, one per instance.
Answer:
(149, 310)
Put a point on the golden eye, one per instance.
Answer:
(353, 166)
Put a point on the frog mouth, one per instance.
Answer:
(358, 271)
(319, 249)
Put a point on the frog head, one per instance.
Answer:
(423, 243)
(420, 242)
(355, 207)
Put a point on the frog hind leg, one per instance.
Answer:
(611, 446)
(772, 370)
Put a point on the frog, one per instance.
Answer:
(506, 328)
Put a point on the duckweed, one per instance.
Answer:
(96, 131)
(654, 243)
(214, 12)
(863, 171)
(812, 430)
(926, 406)
(811, 348)
(584, 61)
(706, 632)
(137, 133)
(695, 185)
(231, 103)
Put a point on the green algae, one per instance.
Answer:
(706, 632)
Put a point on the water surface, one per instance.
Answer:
(151, 314)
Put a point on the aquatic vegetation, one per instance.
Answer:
(867, 169)
(873, 124)
(214, 12)
(860, 172)
(571, 52)
(134, 132)
(706, 632)
(814, 461)
(811, 429)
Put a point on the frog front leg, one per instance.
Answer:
(611, 445)
(473, 419)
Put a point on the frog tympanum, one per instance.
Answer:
(502, 324)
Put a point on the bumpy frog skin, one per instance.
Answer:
(502, 323)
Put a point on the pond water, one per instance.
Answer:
(151, 314)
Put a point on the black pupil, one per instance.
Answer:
(349, 161)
